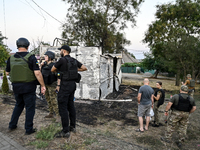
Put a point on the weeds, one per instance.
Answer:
(40, 144)
(149, 140)
(89, 141)
(48, 133)
(71, 146)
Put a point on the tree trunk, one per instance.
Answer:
(193, 72)
(156, 74)
(177, 78)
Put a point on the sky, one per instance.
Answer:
(27, 18)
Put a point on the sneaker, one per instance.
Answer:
(165, 140)
(62, 134)
(72, 129)
(33, 131)
(49, 116)
(155, 125)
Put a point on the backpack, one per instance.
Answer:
(72, 70)
(162, 98)
(192, 83)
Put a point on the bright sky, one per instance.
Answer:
(23, 18)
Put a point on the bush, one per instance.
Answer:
(5, 87)
(129, 65)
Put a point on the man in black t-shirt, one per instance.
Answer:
(67, 89)
(24, 73)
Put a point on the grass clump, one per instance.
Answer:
(48, 132)
(149, 140)
(40, 144)
(89, 141)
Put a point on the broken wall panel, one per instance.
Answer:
(106, 76)
(118, 75)
(90, 82)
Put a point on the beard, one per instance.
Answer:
(61, 54)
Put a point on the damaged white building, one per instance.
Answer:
(103, 75)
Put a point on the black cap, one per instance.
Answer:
(65, 47)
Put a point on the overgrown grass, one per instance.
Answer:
(48, 132)
(89, 141)
(149, 140)
(72, 146)
(40, 144)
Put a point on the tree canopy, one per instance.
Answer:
(3, 51)
(100, 22)
(175, 36)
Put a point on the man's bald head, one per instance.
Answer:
(146, 81)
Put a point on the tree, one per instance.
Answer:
(5, 87)
(3, 51)
(154, 63)
(100, 22)
(177, 27)
(36, 46)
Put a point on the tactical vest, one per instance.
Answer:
(192, 83)
(183, 104)
(20, 71)
(48, 76)
(162, 98)
(71, 74)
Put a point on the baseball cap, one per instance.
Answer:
(184, 88)
(65, 47)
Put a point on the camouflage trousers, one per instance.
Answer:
(51, 98)
(156, 113)
(191, 93)
(178, 120)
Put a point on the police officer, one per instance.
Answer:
(191, 84)
(24, 72)
(182, 105)
(68, 68)
(50, 82)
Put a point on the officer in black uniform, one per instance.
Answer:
(68, 68)
(24, 72)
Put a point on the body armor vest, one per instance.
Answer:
(48, 76)
(20, 71)
(183, 104)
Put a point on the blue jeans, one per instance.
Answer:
(26, 100)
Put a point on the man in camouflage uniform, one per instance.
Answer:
(182, 105)
(191, 84)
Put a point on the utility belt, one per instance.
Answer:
(64, 76)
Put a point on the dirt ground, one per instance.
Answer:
(101, 125)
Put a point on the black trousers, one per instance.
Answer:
(66, 104)
(27, 101)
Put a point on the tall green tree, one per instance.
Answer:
(100, 22)
(177, 26)
(150, 62)
(4, 54)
